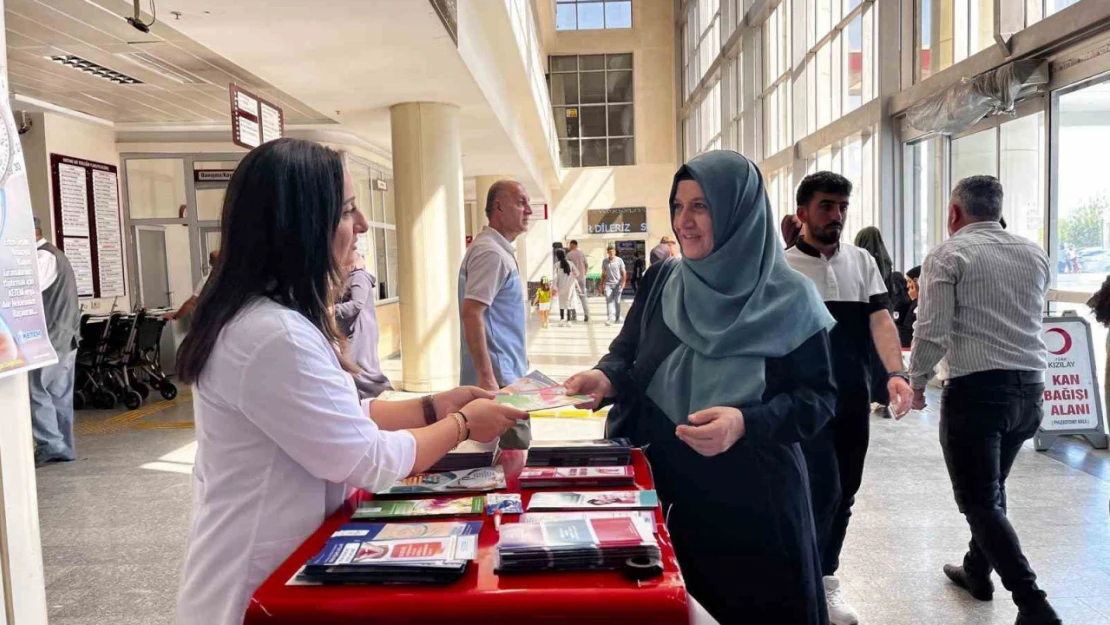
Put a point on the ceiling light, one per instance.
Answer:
(94, 69)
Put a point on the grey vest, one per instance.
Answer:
(60, 306)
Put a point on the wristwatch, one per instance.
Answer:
(901, 373)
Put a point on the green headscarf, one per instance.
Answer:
(738, 306)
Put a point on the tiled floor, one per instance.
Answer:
(114, 522)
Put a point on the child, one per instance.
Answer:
(542, 301)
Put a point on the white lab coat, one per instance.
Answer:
(566, 285)
(280, 436)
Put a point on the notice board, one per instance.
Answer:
(87, 223)
(1072, 403)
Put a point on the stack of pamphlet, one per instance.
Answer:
(449, 482)
(395, 553)
(596, 500)
(468, 455)
(416, 508)
(597, 453)
(574, 544)
(540, 517)
(543, 477)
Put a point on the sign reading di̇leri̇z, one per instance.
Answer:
(24, 342)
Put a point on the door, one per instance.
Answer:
(154, 278)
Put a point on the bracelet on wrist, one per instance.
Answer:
(460, 429)
(427, 402)
(466, 423)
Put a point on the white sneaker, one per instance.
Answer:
(608, 323)
(840, 613)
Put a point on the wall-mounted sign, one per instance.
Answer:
(539, 212)
(381, 185)
(254, 121)
(1072, 404)
(617, 221)
(212, 175)
(24, 341)
(87, 223)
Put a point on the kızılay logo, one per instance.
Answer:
(1065, 341)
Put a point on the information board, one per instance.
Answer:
(254, 121)
(617, 221)
(88, 225)
(1072, 402)
(24, 341)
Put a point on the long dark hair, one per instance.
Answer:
(282, 208)
(1100, 303)
(561, 258)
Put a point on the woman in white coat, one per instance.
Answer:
(281, 434)
(566, 286)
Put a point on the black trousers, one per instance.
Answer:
(834, 460)
(984, 420)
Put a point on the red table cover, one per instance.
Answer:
(481, 596)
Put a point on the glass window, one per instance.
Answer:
(1021, 167)
(210, 203)
(949, 31)
(391, 260)
(1081, 121)
(592, 14)
(592, 100)
(777, 88)
(975, 155)
(156, 188)
(921, 201)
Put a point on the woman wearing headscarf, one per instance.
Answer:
(722, 367)
(870, 239)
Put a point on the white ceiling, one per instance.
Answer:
(95, 30)
(353, 59)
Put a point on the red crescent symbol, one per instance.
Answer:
(1067, 341)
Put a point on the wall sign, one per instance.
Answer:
(87, 223)
(1072, 402)
(212, 175)
(254, 121)
(617, 221)
(381, 185)
(24, 342)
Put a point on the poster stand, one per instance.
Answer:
(1073, 401)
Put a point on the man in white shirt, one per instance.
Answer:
(52, 386)
(848, 280)
(577, 258)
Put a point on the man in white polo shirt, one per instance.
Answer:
(849, 282)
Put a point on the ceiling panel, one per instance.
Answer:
(187, 83)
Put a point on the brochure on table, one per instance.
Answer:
(24, 342)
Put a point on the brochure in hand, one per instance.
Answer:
(585, 453)
(405, 553)
(598, 500)
(542, 477)
(415, 508)
(574, 544)
(466, 481)
(536, 391)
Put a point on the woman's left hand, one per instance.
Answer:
(713, 430)
(454, 399)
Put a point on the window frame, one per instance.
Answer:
(604, 15)
(606, 106)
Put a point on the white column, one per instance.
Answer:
(427, 172)
(22, 584)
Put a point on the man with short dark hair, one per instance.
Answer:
(613, 278)
(854, 292)
(982, 300)
(577, 258)
(492, 301)
(52, 386)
